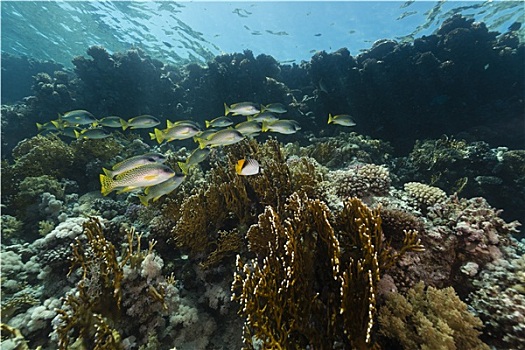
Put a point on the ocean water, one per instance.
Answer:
(262, 175)
(174, 32)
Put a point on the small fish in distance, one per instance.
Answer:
(341, 119)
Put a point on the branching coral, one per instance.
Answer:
(91, 315)
(314, 279)
(424, 195)
(362, 181)
(230, 201)
(431, 319)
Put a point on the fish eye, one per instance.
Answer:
(151, 159)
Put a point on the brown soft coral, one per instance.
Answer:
(314, 279)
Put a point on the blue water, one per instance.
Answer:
(178, 32)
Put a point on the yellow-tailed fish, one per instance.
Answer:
(249, 128)
(111, 122)
(247, 167)
(78, 117)
(282, 126)
(142, 176)
(156, 191)
(92, 134)
(220, 122)
(264, 117)
(220, 138)
(170, 124)
(205, 134)
(241, 108)
(49, 126)
(134, 162)
(69, 131)
(341, 119)
(177, 132)
(145, 121)
(197, 156)
(275, 108)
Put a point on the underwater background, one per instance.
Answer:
(262, 175)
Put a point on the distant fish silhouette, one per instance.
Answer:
(167, 44)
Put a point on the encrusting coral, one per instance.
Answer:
(313, 281)
(430, 319)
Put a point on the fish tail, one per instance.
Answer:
(78, 135)
(184, 167)
(330, 118)
(207, 123)
(39, 126)
(152, 135)
(226, 109)
(264, 127)
(263, 108)
(58, 124)
(124, 124)
(159, 135)
(143, 200)
(202, 142)
(106, 184)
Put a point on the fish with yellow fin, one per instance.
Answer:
(197, 156)
(142, 176)
(134, 162)
(156, 191)
(247, 167)
(341, 119)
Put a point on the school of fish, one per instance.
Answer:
(148, 173)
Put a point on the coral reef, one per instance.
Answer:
(314, 279)
(499, 300)
(41, 155)
(322, 234)
(424, 195)
(361, 181)
(430, 319)
(344, 149)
